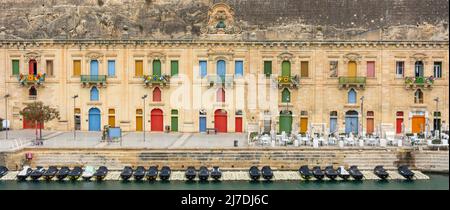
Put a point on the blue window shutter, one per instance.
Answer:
(352, 96)
(111, 68)
(203, 69)
(239, 68)
(94, 94)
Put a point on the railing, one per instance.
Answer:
(292, 81)
(156, 80)
(220, 80)
(419, 81)
(31, 79)
(88, 80)
(352, 81)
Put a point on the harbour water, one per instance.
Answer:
(436, 182)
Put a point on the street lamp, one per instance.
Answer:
(437, 123)
(6, 115)
(143, 99)
(74, 118)
(362, 116)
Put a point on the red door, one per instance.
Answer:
(27, 124)
(399, 125)
(220, 120)
(156, 120)
(238, 125)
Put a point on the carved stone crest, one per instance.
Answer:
(221, 20)
(285, 57)
(33, 56)
(90, 56)
(157, 56)
(352, 57)
(220, 54)
(419, 57)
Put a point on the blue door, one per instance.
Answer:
(351, 122)
(94, 119)
(202, 124)
(333, 122)
(221, 69)
(94, 70)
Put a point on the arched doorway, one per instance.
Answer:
(94, 119)
(286, 121)
(32, 67)
(220, 120)
(418, 122)
(32, 93)
(351, 122)
(399, 127)
(156, 120)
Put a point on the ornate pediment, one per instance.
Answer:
(33, 56)
(157, 56)
(220, 54)
(285, 57)
(418, 57)
(352, 57)
(94, 56)
(221, 20)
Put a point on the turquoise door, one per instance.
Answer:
(351, 122)
(221, 69)
(94, 119)
(202, 124)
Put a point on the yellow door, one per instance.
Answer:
(418, 124)
(352, 69)
(303, 124)
(139, 123)
(112, 121)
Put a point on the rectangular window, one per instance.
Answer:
(138, 68)
(333, 68)
(49, 67)
(304, 69)
(239, 68)
(173, 68)
(370, 68)
(15, 67)
(203, 68)
(437, 70)
(76, 67)
(111, 68)
(399, 69)
(267, 68)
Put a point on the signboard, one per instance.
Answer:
(115, 133)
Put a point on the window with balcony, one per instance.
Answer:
(285, 96)
(418, 69)
(399, 69)
(286, 69)
(94, 94)
(267, 68)
(371, 69)
(418, 97)
(157, 68)
(351, 99)
(156, 94)
(437, 70)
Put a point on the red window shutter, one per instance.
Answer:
(370, 68)
(156, 94)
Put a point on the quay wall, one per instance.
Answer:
(230, 159)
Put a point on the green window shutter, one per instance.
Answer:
(285, 96)
(267, 68)
(15, 67)
(157, 67)
(174, 111)
(173, 68)
(286, 69)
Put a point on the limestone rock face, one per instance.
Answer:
(243, 19)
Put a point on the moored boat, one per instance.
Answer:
(24, 173)
(216, 173)
(50, 173)
(75, 173)
(380, 172)
(305, 172)
(101, 173)
(62, 173)
(267, 173)
(254, 173)
(126, 173)
(88, 173)
(139, 173)
(37, 173)
(355, 173)
(318, 173)
(344, 174)
(203, 173)
(405, 172)
(3, 171)
(330, 172)
(190, 173)
(165, 173)
(152, 173)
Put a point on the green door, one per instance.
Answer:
(285, 122)
(174, 124)
(157, 67)
(286, 69)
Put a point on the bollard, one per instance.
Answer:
(400, 143)
(296, 143)
(235, 143)
(316, 143)
(341, 143)
(361, 143)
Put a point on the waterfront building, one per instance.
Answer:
(230, 65)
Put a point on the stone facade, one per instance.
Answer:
(227, 32)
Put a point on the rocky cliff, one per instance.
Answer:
(255, 19)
